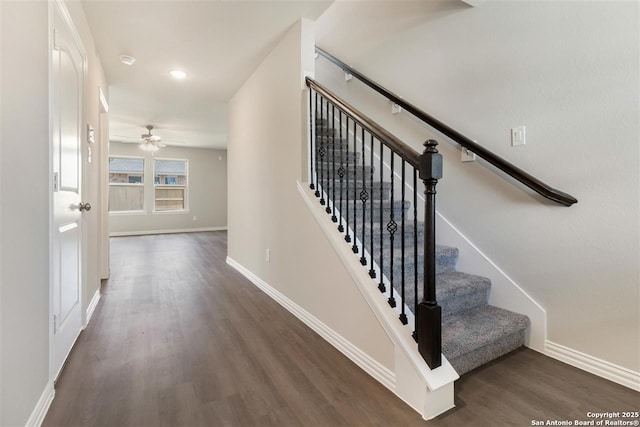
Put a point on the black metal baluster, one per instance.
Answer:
(341, 171)
(372, 272)
(392, 227)
(347, 238)
(415, 253)
(316, 146)
(331, 207)
(321, 152)
(381, 285)
(364, 196)
(312, 125)
(354, 248)
(403, 315)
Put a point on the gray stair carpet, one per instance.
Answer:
(473, 332)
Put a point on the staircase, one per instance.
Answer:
(473, 332)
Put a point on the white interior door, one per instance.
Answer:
(68, 60)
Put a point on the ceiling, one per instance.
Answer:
(218, 43)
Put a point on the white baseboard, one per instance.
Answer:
(599, 367)
(42, 407)
(168, 231)
(382, 374)
(92, 307)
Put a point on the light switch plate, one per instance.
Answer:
(518, 136)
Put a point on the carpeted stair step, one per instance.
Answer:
(331, 157)
(330, 141)
(446, 258)
(385, 236)
(455, 291)
(327, 170)
(476, 336)
(323, 130)
(353, 192)
(376, 208)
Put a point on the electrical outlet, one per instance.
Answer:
(518, 136)
(267, 255)
(195, 218)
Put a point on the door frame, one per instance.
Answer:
(103, 187)
(60, 7)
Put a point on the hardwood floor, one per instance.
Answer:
(181, 339)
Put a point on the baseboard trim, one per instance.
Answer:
(92, 307)
(381, 373)
(599, 367)
(42, 407)
(168, 231)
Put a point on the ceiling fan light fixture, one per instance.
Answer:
(147, 146)
(150, 143)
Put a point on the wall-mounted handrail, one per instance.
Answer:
(510, 169)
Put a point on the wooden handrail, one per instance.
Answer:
(510, 169)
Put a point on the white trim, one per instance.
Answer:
(591, 364)
(42, 407)
(168, 212)
(473, 3)
(104, 104)
(92, 307)
(168, 231)
(371, 366)
(125, 213)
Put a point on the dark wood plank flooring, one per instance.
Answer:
(181, 339)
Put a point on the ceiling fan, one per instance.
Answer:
(150, 142)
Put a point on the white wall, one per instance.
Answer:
(267, 130)
(24, 209)
(207, 193)
(569, 72)
(24, 202)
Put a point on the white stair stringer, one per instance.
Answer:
(429, 392)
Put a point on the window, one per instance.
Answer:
(126, 184)
(170, 181)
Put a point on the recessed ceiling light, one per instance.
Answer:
(128, 60)
(178, 74)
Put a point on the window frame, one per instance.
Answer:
(186, 197)
(128, 184)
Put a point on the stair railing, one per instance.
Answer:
(510, 169)
(350, 158)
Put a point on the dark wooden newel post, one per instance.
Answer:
(429, 325)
